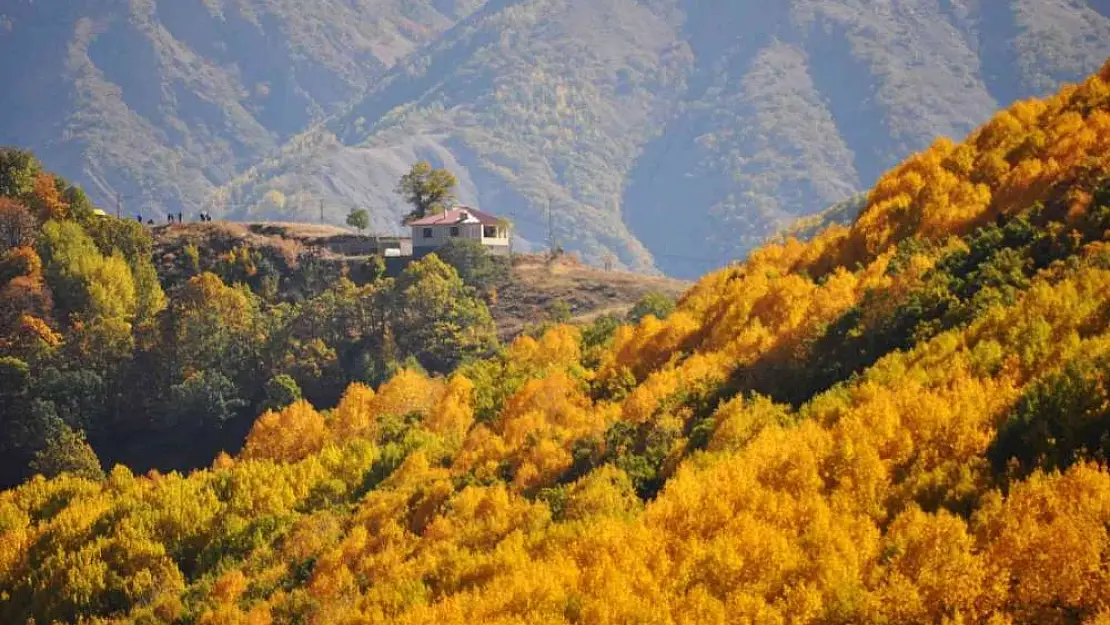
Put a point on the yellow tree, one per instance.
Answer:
(287, 435)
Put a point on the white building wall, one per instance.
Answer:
(441, 235)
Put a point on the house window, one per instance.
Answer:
(427, 233)
(454, 231)
(490, 232)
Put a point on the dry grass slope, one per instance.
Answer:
(537, 284)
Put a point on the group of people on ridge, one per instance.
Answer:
(180, 217)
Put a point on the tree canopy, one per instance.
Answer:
(163, 367)
(429, 191)
(359, 219)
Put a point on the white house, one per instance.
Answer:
(461, 222)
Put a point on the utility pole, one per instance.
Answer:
(550, 229)
(510, 228)
(321, 211)
(119, 205)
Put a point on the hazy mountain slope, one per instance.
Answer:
(766, 142)
(162, 100)
(531, 102)
(678, 126)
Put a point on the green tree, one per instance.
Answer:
(15, 375)
(205, 399)
(560, 311)
(359, 219)
(18, 170)
(150, 299)
(104, 345)
(192, 258)
(15, 381)
(111, 288)
(213, 327)
(374, 268)
(78, 397)
(429, 191)
(80, 206)
(25, 426)
(126, 236)
(597, 337)
(134, 242)
(83, 279)
(67, 451)
(68, 256)
(437, 318)
(281, 391)
(315, 274)
(1062, 419)
(476, 265)
(600, 333)
(654, 303)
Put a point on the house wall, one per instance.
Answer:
(442, 234)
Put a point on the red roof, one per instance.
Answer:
(456, 215)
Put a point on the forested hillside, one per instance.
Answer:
(900, 421)
(160, 351)
(676, 134)
(141, 338)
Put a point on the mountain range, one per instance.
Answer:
(669, 135)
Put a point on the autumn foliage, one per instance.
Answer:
(904, 421)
